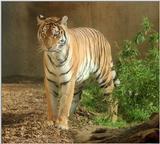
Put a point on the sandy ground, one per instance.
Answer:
(24, 116)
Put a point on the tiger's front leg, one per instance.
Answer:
(66, 92)
(51, 95)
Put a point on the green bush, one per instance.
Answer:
(138, 92)
(92, 98)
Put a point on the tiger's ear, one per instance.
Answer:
(64, 20)
(40, 19)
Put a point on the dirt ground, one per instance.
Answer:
(24, 120)
(24, 116)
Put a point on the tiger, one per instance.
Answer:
(70, 56)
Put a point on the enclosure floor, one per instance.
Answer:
(24, 116)
(24, 120)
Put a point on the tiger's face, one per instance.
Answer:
(51, 33)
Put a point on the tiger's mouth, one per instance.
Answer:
(54, 49)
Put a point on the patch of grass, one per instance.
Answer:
(103, 121)
(92, 97)
(139, 115)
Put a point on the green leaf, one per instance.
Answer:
(139, 38)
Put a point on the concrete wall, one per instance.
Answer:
(116, 20)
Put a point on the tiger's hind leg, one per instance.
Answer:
(106, 82)
(76, 99)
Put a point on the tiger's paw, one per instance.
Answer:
(61, 125)
(50, 123)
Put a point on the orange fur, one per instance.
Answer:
(70, 55)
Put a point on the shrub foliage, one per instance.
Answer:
(138, 92)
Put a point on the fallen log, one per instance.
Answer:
(142, 133)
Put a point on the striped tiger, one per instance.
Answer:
(70, 56)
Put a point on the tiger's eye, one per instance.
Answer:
(56, 34)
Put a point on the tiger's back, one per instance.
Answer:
(93, 52)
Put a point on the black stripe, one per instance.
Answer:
(50, 59)
(103, 68)
(82, 34)
(105, 74)
(52, 82)
(64, 83)
(90, 52)
(50, 71)
(56, 25)
(103, 82)
(65, 35)
(99, 53)
(81, 76)
(93, 33)
(63, 62)
(82, 72)
(104, 85)
(55, 93)
(86, 65)
(65, 56)
(95, 44)
(98, 76)
(96, 70)
(108, 84)
(66, 71)
(102, 74)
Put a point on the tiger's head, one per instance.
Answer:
(51, 33)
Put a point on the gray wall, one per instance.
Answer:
(116, 20)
